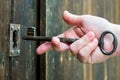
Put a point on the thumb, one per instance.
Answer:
(72, 19)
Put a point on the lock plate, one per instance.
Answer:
(15, 39)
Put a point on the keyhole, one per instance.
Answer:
(15, 38)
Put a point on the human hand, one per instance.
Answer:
(86, 48)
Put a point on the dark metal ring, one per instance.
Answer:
(101, 43)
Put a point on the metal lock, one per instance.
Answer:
(15, 38)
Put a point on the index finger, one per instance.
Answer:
(46, 46)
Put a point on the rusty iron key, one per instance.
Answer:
(43, 38)
(31, 35)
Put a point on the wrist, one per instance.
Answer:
(116, 30)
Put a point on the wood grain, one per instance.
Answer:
(63, 66)
(23, 67)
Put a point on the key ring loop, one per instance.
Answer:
(101, 43)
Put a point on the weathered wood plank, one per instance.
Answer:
(62, 66)
(23, 67)
(87, 69)
(42, 32)
(99, 70)
(4, 38)
(117, 20)
(112, 63)
(78, 68)
(56, 62)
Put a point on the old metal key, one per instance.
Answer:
(43, 38)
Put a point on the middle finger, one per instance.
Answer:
(77, 45)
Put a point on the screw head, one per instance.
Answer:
(12, 28)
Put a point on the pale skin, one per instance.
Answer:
(88, 29)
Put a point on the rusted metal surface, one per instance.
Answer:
(15, 40)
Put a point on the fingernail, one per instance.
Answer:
(95, 41)
(90, 34)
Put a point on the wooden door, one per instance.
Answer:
(22, 67)
(46, 16)
(63, 66)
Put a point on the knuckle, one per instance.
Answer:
(57, 47)
(82, 61)
(88, 48)
(82, 53)
(85, 39)
(86, 16)
(90, 60)
(72, 50)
